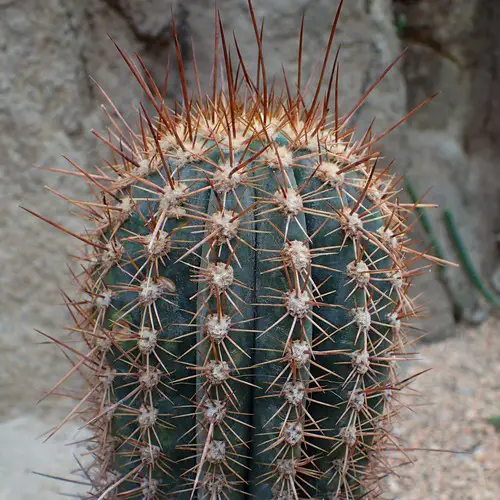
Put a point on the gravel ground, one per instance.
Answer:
(451, 406)
(450, 412)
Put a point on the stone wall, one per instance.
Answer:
(454, 143)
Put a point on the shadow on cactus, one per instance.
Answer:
(245, 286)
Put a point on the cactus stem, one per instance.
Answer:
(245, 289)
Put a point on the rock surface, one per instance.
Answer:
(48, 104)
(453, 144)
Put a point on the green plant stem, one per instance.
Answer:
(465, 259)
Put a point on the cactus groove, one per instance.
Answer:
(245, 287)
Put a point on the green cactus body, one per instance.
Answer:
(242, 307)
(247, 281)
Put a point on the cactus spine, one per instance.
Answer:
(246, 280)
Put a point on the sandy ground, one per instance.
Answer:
(456, 399)
(24, 452)
(451, 406)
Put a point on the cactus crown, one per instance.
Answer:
(246, 280)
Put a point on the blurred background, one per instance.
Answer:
(48, 104)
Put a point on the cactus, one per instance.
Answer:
(245, 284)
(465, 259)
(463, 256)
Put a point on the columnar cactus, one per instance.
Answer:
(245, 284)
